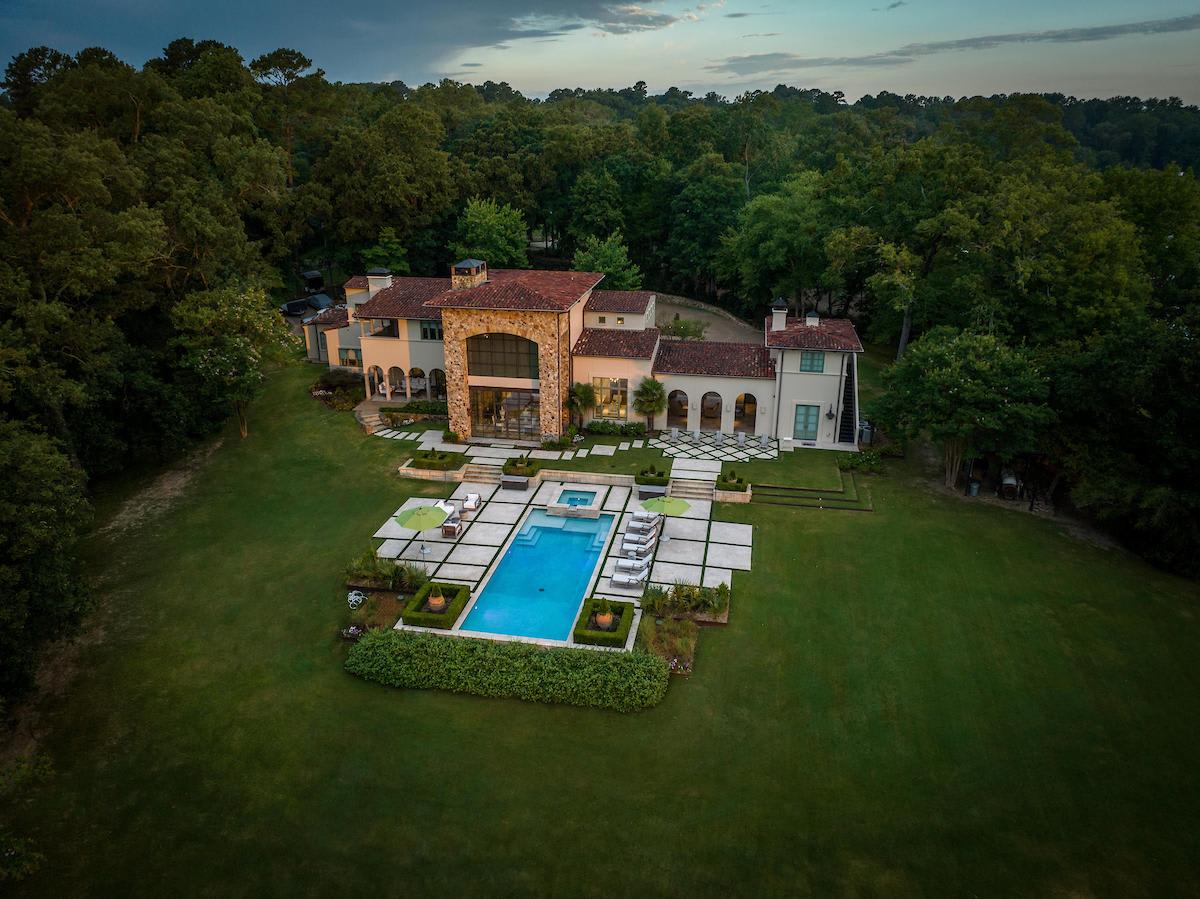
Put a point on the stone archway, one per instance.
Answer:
(396, 380)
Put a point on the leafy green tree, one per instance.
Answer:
(704, 207)
(388, 252)
(970, 392)
(227, 337)
(595, 206)
(280, 70)
(610, 256)
(28, 71)
(580, 400)
(491, 232)
(650, 399)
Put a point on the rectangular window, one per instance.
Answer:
(603, 319)
(431, 330)
(805, 427)
(612, 397)
(349, 357)
(620, 319)
(812, 360)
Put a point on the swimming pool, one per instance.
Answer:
(577, 497)
(537, 586)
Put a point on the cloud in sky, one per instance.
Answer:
(761, 63)
(895, 4)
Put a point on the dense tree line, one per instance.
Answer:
(150, 216)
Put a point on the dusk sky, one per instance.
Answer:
(938, 47)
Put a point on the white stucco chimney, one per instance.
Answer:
(779, 310)
(812, 319)
(378, 279)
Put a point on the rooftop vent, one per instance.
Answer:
(467, 273)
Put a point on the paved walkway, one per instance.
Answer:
(714, 447)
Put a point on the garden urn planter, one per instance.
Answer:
(437, 603)
(604, 620)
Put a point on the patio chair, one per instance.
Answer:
(632, 564)
(355, 598)
(452, 526)
(471, 503)
(632, 580)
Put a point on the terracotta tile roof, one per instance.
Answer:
(358, 282)
(828, 334)
(620, 343)
(406, 298)
(631, 301)
(521, 289)
(333, 317)
(713, 358)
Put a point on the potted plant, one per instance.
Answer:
(436, 601)
(605, 620)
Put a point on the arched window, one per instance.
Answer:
(396, 380)
(710, 412)
(502, 356)
(418, 385)
(745, 413)
(437, 384)
(677, 409)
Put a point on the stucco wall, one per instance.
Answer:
(633, 370)
(549, 330)
(696, 386)
(799, 388)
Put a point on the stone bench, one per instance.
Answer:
(514, 482)
(649, 491)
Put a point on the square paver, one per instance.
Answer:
(581, 453)
(469, 573)
(568, 455)
(604, 449)
(434, 552)
(391, 549)
(688, 551)
(698, 508)
(685, 528)
(606, 586)
(728, 532)
(615, 501)
(485, 491)
(486, 533)
(471, 554)
(623, 445)
(726, 555)
(714, 577)
(670, 572)
(544, 454)
(393, 531)
(638, 444)
(501, 513)
(546, 492)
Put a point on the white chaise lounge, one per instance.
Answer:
(631, 580)
(633, 564)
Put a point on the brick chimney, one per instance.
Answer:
(468, 273)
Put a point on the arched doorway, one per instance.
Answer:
(677, 409)
(396, 381)
(745, 413)
(418, 384)
(710, 412)
(437, 384)
(374, 381)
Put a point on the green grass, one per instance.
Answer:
(939, 699)
(799, 468)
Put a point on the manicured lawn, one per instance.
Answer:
(799, 468)
(937, 699)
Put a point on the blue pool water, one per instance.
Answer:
(577, 497)
(536, 588)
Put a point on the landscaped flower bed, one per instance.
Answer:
(423, 609)
(590, 627)
(522, 466)
(729, 481)
(708, 605)
(417, 410)
(652, 477)
(623, 681)
(672, 639)
(437, 460)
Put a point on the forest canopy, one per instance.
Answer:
(151, 218)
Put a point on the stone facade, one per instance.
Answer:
(549, 330)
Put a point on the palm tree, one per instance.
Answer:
(650, 399)
(580, 398)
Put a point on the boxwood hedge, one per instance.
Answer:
(583, 634)
(456, 600)
(624, 681)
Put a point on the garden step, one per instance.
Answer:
(482, 474)
(687, 489)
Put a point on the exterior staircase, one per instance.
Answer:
(482, 474)
(370, 422)
(685, 488)
(848, 426)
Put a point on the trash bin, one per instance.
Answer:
(865, 433)
(973, 488)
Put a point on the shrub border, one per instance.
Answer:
(456, 461)
(458, 596)
(617, 638)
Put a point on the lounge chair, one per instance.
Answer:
(631, 580)
(639, 539)
(632, 564)
(641, 527)
(639, 549)
(643, 515)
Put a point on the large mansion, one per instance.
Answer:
(503, 347)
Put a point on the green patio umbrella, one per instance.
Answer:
(421, 518)
(666, 505)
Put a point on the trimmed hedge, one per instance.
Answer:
(456, 599)
(623, 681)
(617, 638)
(522, 467)
(625, 429)
(437, 460)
